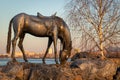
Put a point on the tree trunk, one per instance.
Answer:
(100, 32)
(100, 42)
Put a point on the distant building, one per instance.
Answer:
(4, 55)
(18, 54)
(27, 53)
(50, 51)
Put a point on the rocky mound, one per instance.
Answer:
(81, 69)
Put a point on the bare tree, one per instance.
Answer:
(98, 21)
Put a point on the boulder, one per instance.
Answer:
(79, 55)
(84, 55)
(96, 69)
(34, 71)
(80, 69)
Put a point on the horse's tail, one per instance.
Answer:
(9, 37)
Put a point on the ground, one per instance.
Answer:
(80, 69)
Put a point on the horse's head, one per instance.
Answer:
(64, 55)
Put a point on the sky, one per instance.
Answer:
(10, 8)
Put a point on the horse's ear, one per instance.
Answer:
(54, 14)
(39, 15)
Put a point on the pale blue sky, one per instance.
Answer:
(9, 8)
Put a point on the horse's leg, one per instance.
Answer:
(61, 44)
(55, 36)
(61, 49)
(20, 45)
(14, 46)
(48, 46)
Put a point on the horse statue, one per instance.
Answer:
(52, 27)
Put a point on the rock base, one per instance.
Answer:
(81, 69)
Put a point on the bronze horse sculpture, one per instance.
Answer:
(52, 27)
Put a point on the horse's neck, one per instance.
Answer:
(67, 45)
(67, 41)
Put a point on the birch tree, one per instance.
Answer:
(98, 20)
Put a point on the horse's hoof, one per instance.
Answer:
(44, 62)
(14, 60)
(57, 63)
(26, 60)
